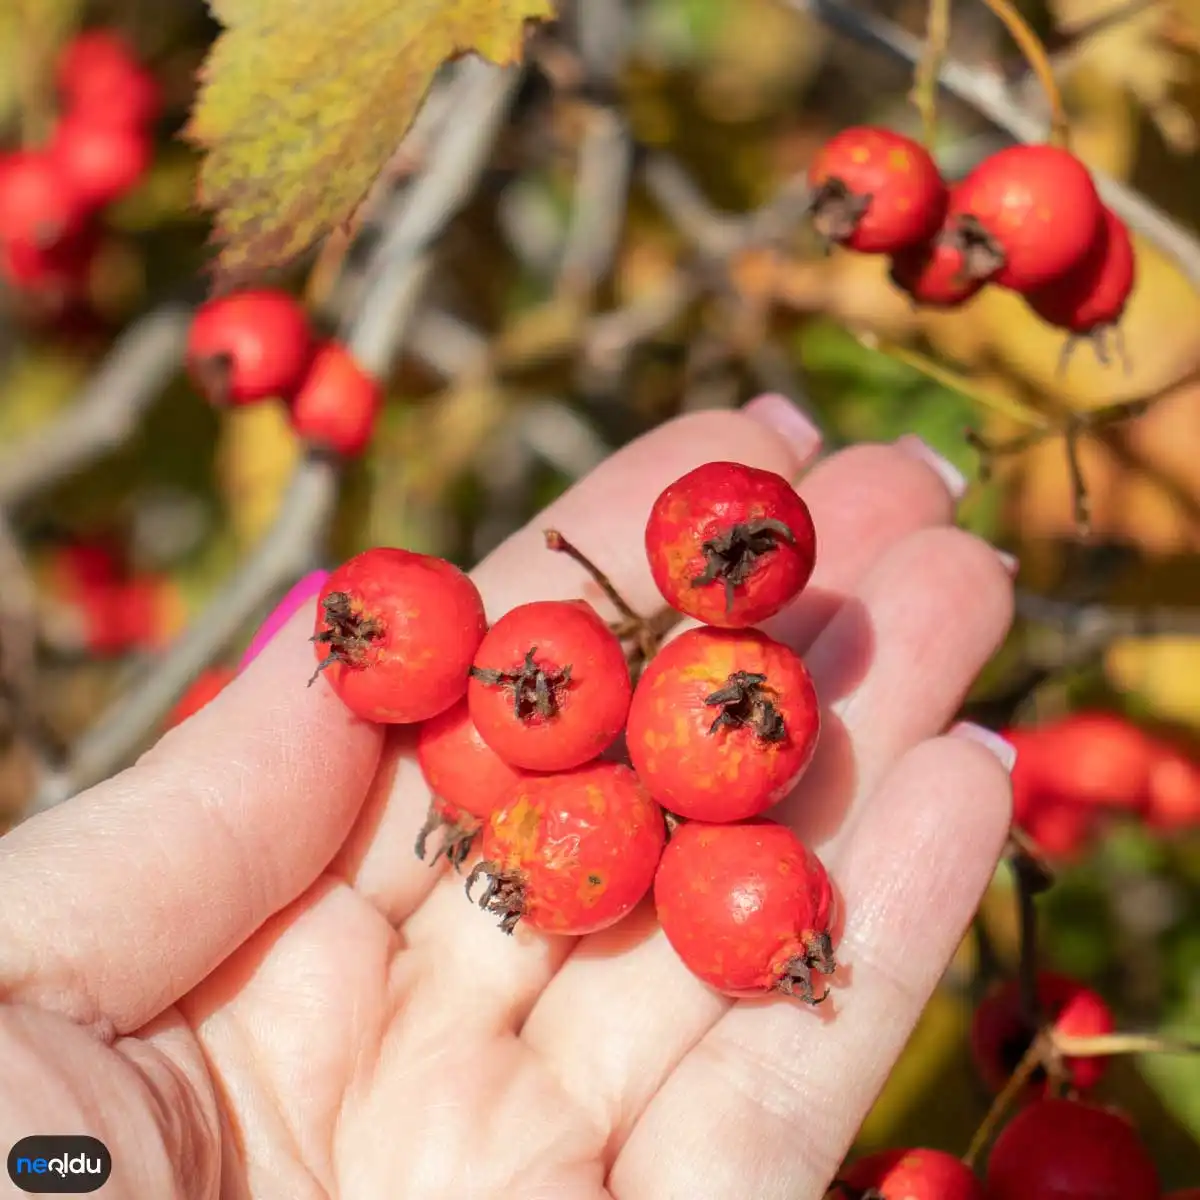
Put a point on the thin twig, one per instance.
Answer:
(925, 86)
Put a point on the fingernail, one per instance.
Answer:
(951, 476)
(1012, 564)
(302, 591)
(782, 415)
(1002, 748)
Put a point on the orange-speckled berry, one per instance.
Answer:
(723, 723)
(875, 191)
(912, 1174)
(730, 545)
(571, 852)
(1025, 216)
(747, 907)
(396, 633)
(467, 777)
(549, 687)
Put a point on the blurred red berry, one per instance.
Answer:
(1000, 1035)
(911, 1174)
(933, 274)
(40, 211)
(100, 78)
(875, 190)
(1065, 1150)
(1061, 830)
(101, 162)
(337, 404)
(1172, 790)
(248, 346)
(1097, 758)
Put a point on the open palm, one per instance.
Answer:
(228, 965)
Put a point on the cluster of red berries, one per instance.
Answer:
(1055, 1147)
(1027, 218)
(101, 146)
(521, 725)
(1074, 772)
(249, 346)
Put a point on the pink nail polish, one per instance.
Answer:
(950, 475)
(1002, 748)
(302, 591)
(782, 415)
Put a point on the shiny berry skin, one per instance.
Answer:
(100, 78)
(1066, 1150)
(208, 685)
(550, 686)
(1096, 758)
(912, 1174)
(570, 853)
(730, 545)
(1092, 297)
(101, 163)
(395, 634)
(249, 345)
(467, 777)
(747, 907)
(1000, 1035)
(875, 191)
(337, 404)
(723, 723)
(1025, 216)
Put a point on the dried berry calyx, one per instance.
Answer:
(214, 376)
(731, 556)
(982, 254)
(349, 635)
(796, 979)
(534, 690)
(504, 896)
(457, 836)
(836, 210)
(746, 703)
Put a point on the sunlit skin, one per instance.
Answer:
(747, 907)
(912, 1174)
(1062, 1148)
(1000, 1034)
(573, 852)
(729, 544)
(732, 771)
(395, 634)
(887, 184)
(561, 706)
(1039, 207)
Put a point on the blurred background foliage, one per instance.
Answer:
(739, 92)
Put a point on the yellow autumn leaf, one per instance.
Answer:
(303, 101)
(1163, 672)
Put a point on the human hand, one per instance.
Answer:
(228, 965)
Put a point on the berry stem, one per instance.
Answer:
(929, 66)
(1033, 1058)
(1035, 55)
(1110, 1044)
(1032, 877)
(559, 544)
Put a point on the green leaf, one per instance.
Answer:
(303, 102)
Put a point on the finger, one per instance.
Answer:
(935, 606)
(119, 901)
(769, 1101)
(606, 517)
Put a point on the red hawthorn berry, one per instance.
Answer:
(467, 777)
(1000, 1034)
(747, 907)
(1061, 830)
(248, 346)
(1100, 759)
(1024, 217)
(722, 724)
(933, 274)
(572, 852)
(730, 545)
(1065, 1150)
(1173, 790)
(395, 634)
(337, 404)
(39, 209)
(101, 162)
(550, 687)
(100, 77)
(875, 191)
(910, 1174)
(208, 685)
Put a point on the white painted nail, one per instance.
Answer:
(1001, 747)
(950, 475)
